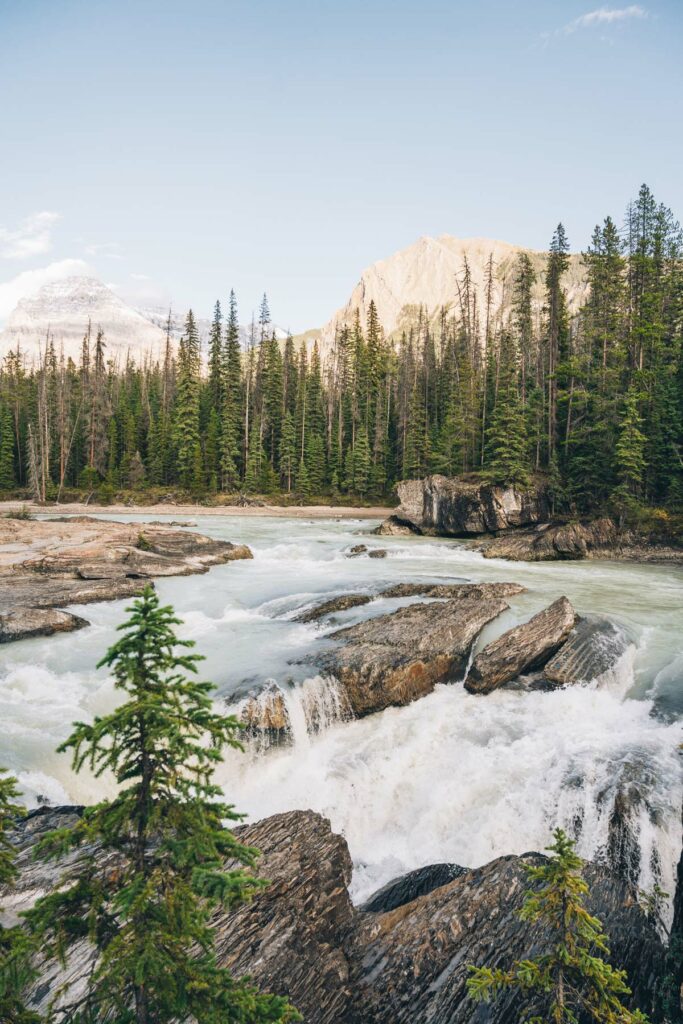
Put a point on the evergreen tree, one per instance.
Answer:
(507, 442)
(15, 947)
(215, 381)
(361, 463)
(187, 403)
(630, 449)
(150, 919)
(7, 477)
(287, 451)
(230, 444)
(572, 978)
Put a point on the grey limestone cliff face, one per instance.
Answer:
(451, 507)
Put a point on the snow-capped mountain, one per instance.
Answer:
(63, 309)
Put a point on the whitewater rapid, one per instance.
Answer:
(452, 777)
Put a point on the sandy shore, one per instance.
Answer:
(180, 511)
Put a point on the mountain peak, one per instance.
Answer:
(63, 309)
(426, 274)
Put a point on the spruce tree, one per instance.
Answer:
(361, 463)
(187, 403)
(150, 872)
(15, 947)
(572, 979)
(7, 477)
(507, 452)
(231, 419)
(630, 450)
(287, 451)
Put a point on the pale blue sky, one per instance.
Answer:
(182, 148)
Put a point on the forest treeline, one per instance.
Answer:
(592, 400)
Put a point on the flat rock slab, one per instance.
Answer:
(31, 622)
(484, 591)
(334, 604)
(593, 647)
(51, 563)
(523, 648)
(394, 659)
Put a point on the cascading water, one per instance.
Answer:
(452, 777)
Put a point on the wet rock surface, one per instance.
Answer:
(30, 622)
(524, 648)
(394, 659)
(483, 591)
(396, 526)
(46, 564)
(593, 647)
(453, 507)
(335, 604)
(303, 938)
(599, 538)
(407, 888)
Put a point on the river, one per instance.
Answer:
(452, 777)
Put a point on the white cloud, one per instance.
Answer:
(33, 237)
(110, 250)
(602, 16)
(30, 281)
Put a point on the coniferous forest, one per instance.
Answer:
(592, 400)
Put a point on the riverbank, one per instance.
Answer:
(180, 510)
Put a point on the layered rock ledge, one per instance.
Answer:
(393, 659)
(47, 564)
(522, 649)
(302, 936)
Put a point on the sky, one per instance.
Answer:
(180, 148)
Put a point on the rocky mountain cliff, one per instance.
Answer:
(427, 274)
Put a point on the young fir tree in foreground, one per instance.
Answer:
(15, 970)
(152, 868)
(573, 978)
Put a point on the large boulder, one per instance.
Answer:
(302, 937)
(396, 658)
(593, 647)
(522, 649)
(454, 507)
(30, 622)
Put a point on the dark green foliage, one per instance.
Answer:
(573, 979)
(152, 859)
(468, 389)
(15, 946)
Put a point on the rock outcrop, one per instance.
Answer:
(597, 538)
(453, 507)
(396, 658)
(407, 888)
(334, 604)
(48, 564)
(482, 591)
(569, 541)
(30, 622)
(593, 647)
(522, 649)
(302, 937)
